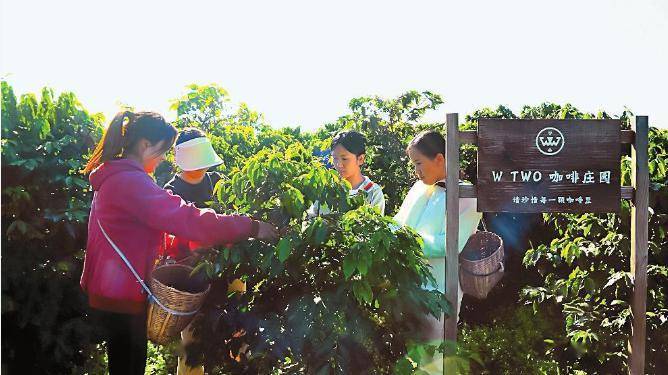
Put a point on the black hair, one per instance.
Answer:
(353, 141)
(126, 130)
(429, 142)
(188, 134)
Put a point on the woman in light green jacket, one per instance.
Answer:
(423, 210)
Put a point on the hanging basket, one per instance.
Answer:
(180, 295)
(481, 264)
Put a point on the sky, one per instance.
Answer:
(299, 63)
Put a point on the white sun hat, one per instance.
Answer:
(196, 154)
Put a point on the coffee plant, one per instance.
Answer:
(45, 204)
(586, 264)
(339, 293)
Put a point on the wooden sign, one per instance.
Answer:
(548, 166)
(552, 166)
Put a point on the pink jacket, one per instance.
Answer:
(136, 213)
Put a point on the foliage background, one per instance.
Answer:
(563, 305)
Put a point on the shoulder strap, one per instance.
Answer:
(141, 282)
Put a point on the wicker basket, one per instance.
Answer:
(478, 277)
(172, 285)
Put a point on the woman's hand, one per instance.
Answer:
(266, 232)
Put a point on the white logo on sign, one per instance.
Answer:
(550, 141)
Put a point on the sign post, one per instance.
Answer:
(452, 224)
(536, 166)
(639, 238)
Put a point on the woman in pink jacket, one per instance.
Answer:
(136, 213)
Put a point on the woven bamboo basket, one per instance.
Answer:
(173, 286)
(478, 276)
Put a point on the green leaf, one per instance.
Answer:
(235, 256)
(80, 182)
(583, 337)
(615, 277)
(349, 265)
(587, 229)
(283, 249)
(19, 225)
(320, 235)
(403, 367)
(662, 168)
(267, 260)
(197, 269)
(590, 285)
(42, 128)
(417, 353)
(293, 201)
(364, 261)
(362, 291)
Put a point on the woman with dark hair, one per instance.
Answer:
(348, 149)
(423, 210)
(134, 213)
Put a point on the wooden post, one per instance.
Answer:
(639, 238)
(452, 225)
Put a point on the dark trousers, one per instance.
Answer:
(125, 335)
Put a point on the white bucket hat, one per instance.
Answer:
(196, 154)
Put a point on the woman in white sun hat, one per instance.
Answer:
(194, 157)
(195, 184)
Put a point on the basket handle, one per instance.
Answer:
(151, 296)
(482, 220)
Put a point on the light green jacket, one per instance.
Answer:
(423, 210)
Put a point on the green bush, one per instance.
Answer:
(45, 204)
(516, 342)
(161, 360)
(340, 293)
(586, 272)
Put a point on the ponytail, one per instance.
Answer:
(125, 129)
